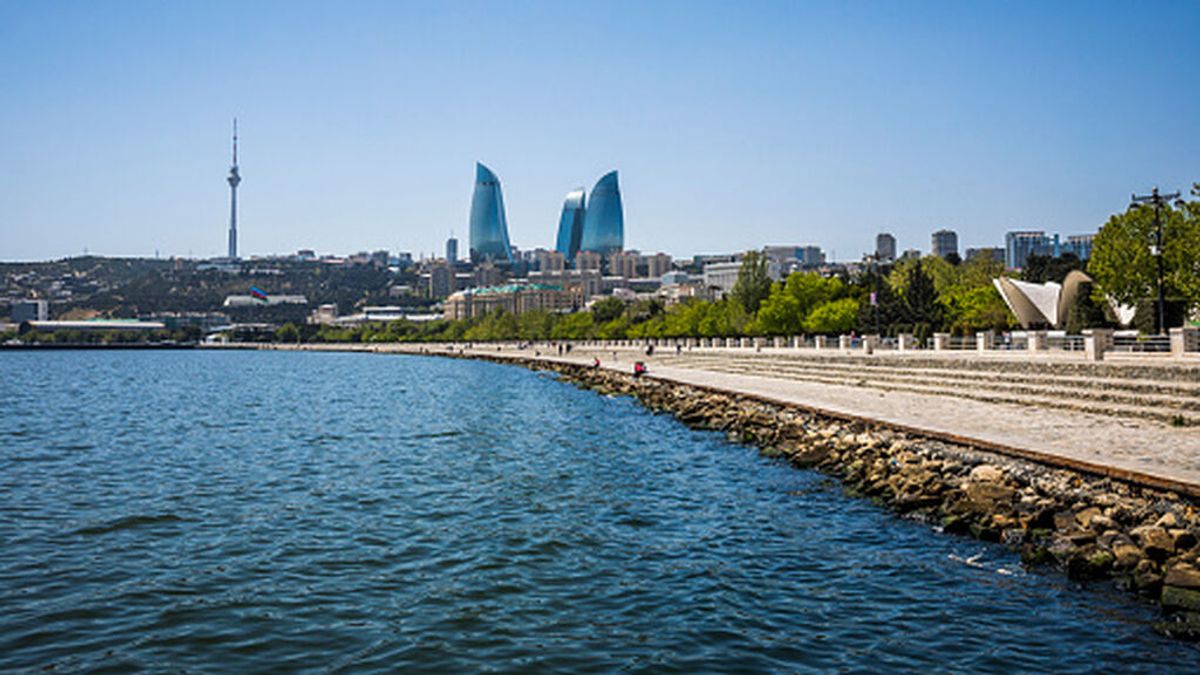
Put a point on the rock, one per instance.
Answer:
(1065, 521)
(1176, 598)
(1167, 521)
(1183, 576)
(1181, 626)
(912, 501)
(1154, 541)
(1013, 537)
(1126, 556)
(1032, 554)
(955, 524)
(1062, 549)
(1102, 523)
(1185, 540)
(986, 473)
(1146, 577)
(1085, 517)
(1089, 562)
(984, 497)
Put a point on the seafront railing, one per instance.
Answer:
(1092, 344)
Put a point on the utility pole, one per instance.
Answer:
(1157, 201)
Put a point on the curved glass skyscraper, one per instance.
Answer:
(570, 225)
(489, 227)
(604, 224)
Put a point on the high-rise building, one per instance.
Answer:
(489, 226)
(810, 256)
(623, 264)
(440, 280)
(452, 250)
(657, 265)
(1080, 245)
(588, 260)
(995, 254)
(604, 220)
(1018, 246)
(549, 261)
(885, 247)
(944, 242)
(486, 274)
(234, 180)
(570, 224)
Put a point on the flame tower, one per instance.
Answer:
(234, 179)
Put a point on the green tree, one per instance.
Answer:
(920, 297)
(1039, 268)
(1124, 266)
(288, 333)
(577, 326)
(836, 316)
(535, 325)
(1085, 312)
(780, 313)
(607, 309)
(753, 283)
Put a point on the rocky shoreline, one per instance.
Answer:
(1145, 540)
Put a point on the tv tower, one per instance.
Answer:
(233, 179)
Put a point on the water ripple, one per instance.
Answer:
(338, 512)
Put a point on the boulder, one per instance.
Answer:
(1185, 540)
(1182, 576)
(1086, 516)
(986, 473)
(1065, 521)
(1167, 521)
(1126, 555)
(1089, 562)
(1176, 598)
(1154, 541)
(984, 497)
(1146, 577)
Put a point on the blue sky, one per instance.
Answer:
(733, 125)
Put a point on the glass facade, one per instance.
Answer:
(489, 227)
(1018, 246)
(604, 222)
(570, 225)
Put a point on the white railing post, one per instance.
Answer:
(985, 341)
(1185, 339)
(941, 342)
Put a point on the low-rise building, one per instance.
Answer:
(30, 310)
(512, 298)
(269, 301)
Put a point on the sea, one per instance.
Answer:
(247, 511)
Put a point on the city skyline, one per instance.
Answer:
(740, 128)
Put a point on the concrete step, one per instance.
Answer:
(971, 371)
(1034, 387)
(1109, 409)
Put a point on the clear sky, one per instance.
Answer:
(733, 125)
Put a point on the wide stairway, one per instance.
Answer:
(1167, 393)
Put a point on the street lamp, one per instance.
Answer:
(1156, 249)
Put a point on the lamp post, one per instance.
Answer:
(1156, 200)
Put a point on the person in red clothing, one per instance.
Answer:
(639, 369)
